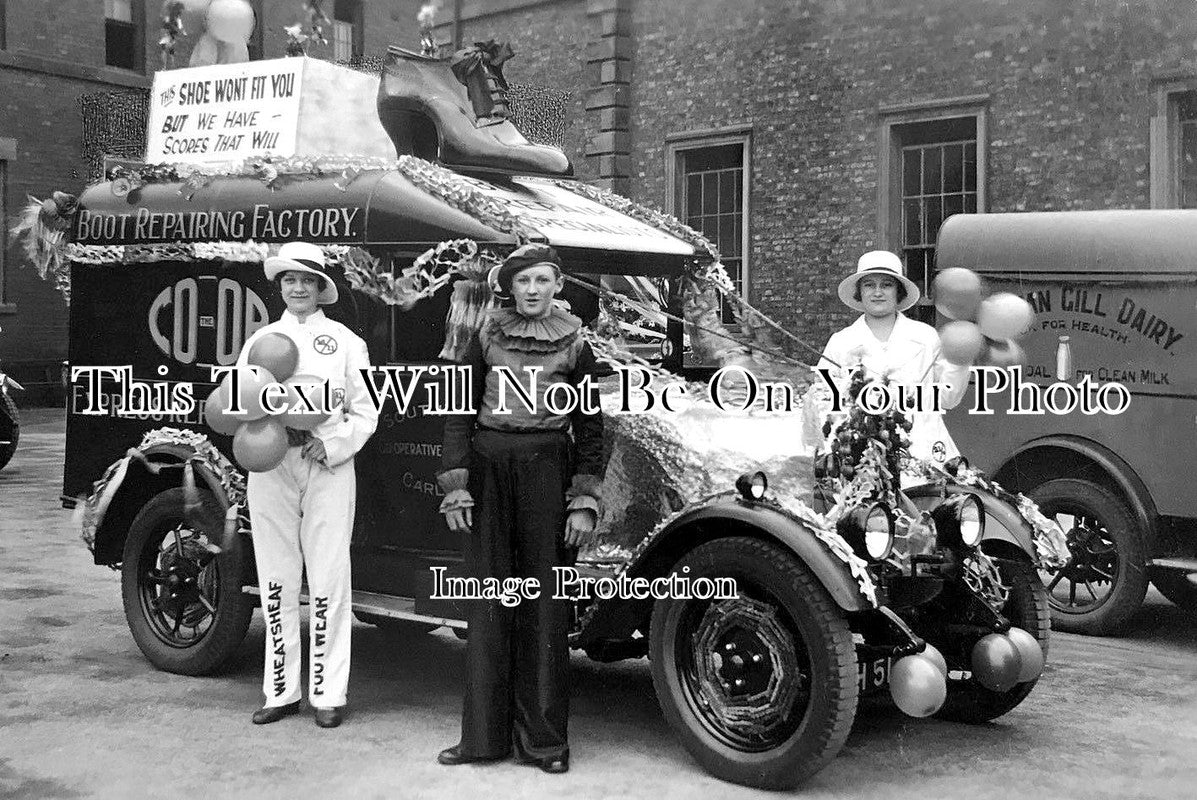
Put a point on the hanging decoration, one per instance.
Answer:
(41, 229)
(172, 29)
(308, 30)
(426, 18)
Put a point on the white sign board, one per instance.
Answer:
(226, 112)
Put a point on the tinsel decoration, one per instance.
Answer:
(366, 274)
(472, 294)
(172, 29)
(41, 229)
(311, 29)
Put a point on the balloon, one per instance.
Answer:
(260, 445)
(216, 408)
(233, 53)
(1004, 316)
(1030, 653)
(961, 342)
(996, 663)
(304, 420)
(957, 293)
(252, 381)
(1006, 353)
(933, 655)
(276, 353)
(205, 53)
(230, 20)
(917, 686)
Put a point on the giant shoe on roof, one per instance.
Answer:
(455, 111)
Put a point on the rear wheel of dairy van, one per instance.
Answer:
(1105, 579)
(185, 609)
(761, 688)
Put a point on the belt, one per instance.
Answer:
(481, 427)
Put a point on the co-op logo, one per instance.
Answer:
(205, 318)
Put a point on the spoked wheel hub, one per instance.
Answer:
(179, 587)
(746, 674)
(1087, 580)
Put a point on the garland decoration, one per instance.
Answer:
(309, 30)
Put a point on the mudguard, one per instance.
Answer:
(131, 482)
(1002, 523)
(722, 516)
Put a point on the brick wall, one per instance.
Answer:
(1070, 87)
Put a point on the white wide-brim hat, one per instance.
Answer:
(302, 257)
(877, 262)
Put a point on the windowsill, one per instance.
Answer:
(8, 308)
(67, 69)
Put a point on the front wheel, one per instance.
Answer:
(760, 688)
(1105, 579)
(185, 609)
(1026, 607)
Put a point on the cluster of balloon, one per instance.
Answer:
(982, 330)
(226, 25)
(919, 683)
(852, 436)
(259, 438)
(1002, 660)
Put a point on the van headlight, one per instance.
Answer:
(869, 529)
(752, 485)
(960, 520)
(971, 515)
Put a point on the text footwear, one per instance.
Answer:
(269, 714)
(329, 717)
(427, 113)
(452, 757)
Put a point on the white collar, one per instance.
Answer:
(316, 316)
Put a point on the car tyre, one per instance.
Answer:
(1026, 607)
(1107, 548)
(802, 627)
(198, 631)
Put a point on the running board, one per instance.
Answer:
(1182, 564)
(383, 605)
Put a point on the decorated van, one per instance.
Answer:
(843, 581)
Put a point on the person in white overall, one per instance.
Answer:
(889, 343)
(302, 510)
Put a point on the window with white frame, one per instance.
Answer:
(709, 176)
(1174, 145)
(933, 166)
(347, 30)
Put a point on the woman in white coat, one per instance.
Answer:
(889, 343)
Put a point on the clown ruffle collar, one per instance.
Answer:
(513, 331)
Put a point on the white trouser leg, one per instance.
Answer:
(327, 524)
(274, 502)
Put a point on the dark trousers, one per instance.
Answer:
(517, 673)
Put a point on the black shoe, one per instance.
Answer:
(269, 714)
(328, 717)
(554, 766)
(452, 756)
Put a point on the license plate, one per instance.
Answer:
(873, 676)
